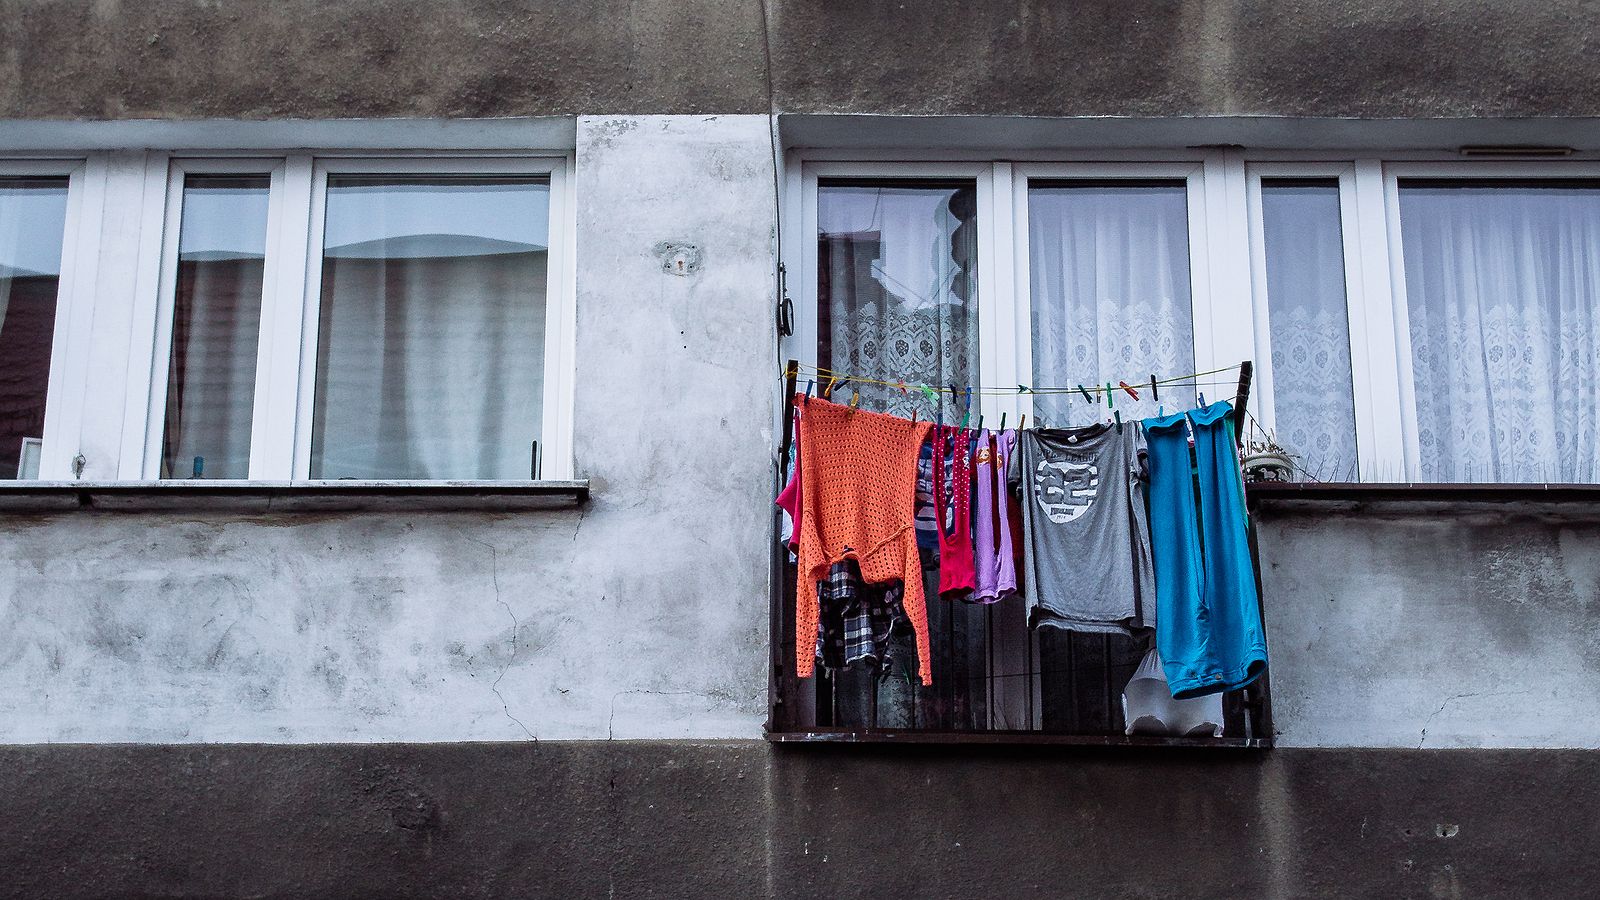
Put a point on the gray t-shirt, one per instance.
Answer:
(1086, 544)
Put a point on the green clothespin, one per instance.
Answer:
(1109, 404)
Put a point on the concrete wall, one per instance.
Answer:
(642, 615)
(740, 819)
(119, 59)
(1433, 625)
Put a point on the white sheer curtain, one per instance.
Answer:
(1313, 403)
(1110, 282)
(897, 289)
(430, 360)
(1503, 295)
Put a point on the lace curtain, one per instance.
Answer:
(897, 291)
(1503, 295)
(1110, 279)
(1314, 408)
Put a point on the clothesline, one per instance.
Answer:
(832, 378)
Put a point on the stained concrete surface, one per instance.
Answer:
(93, 59)
(741, 819)
(1433, 625)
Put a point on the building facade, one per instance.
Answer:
(249, 649)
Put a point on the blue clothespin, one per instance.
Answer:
(1202, 396)
(809, 385)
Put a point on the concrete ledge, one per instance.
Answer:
(740, 819)
(283, 496)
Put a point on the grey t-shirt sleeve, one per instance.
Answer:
(1144, 576)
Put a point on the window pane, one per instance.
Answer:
(897, 287)
(216, 319)
(1110, 279)
(33, 216)
(1312, 397)
(430, 349)
(1503, 295)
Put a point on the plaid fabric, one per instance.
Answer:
(855, 619)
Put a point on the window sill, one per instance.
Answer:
(1413, 498)
(289, 497)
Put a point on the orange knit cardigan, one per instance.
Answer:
(858, 498)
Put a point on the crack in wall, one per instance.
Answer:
(1453, 698)
(516, 629)
(611, 719)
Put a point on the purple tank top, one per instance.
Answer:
(991, 533)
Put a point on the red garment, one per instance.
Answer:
(958, 575)
(858, 500)
(789, 498)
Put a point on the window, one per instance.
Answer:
(1502, 287)
(33, 211)
(1409, 320)
(1108, 276)
(431, 328)
(1313, 401)
(216, 326)
(897, 288)
(343, 318)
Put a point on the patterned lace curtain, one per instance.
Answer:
(898, 290)
(1314, 407)
(1110, 282)
(1503, 295)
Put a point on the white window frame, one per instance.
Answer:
(286, 357)
(149, 359)
(74, 316)
(1227, 262)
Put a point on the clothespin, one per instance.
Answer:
(1109, 395)
(902, 387)
(1154, 394)
(1022, 389)
(809, 385)
(855, 397)
(1131, 392)
(827, 391)
(1119, 421)
(980, 422)
(1023, 422)
(966, 411)
(1086, 398)
(1202, 396)
(1002, 421)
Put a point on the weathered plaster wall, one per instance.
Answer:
(450, 58)
(1463, 625)
(643, 615)
(740, 819)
